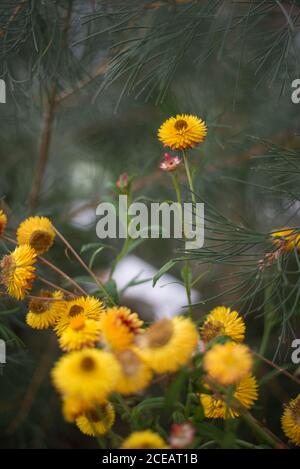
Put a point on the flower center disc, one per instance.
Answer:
(211, 330)
(75, 310)
(40, 240)
(181, 125)
(160, 333)
(87, 364)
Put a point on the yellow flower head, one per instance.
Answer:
(73, 407)
(45, 311)
(119, 327)
(89, 307)
(228, 363)
(245, 394)
(38, 232)
(290, 420)
(168, 344)
(81, 332)
(89, 375)
(146, 439)
(135, 373)
(17, 271)
(3, 221)
(286, 239)
(97, 421)
(223, 321)
(182, 132)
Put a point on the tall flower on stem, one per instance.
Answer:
(182, 132)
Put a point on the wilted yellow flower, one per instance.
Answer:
(135, 373)
(17, 271)
(245, 393)
(89, 375)
(81, 332)
(286, 239)
(3, 221)
(228, 363)
(89, 307)
(146, 439)
(119, 327)
(182, 132)
(168, 344)
(290, 420)
(38, 232)
(44, 312)
(223, 321)
(97, 421)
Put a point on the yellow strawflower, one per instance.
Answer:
(81, 332)
(119, 327)
(228, 363)
(244, 394)
(89, 307)
(168, 344)
(97, 421)
(17, 271)
(89, 375)
(182, 132)
(45, 311)
(146, 439)
(290, 420)
(222, 321)
(38, 232)
(286, 239)
(135, 373)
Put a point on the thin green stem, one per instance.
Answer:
(269, 320)
(186, 277)
(189, 176)
(188, 288)
(262, 433)
(126, 243)
(86, 268)
(54, 268)
(176, 187)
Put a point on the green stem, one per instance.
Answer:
(269, 323)
(189, 176)
(176, 187)
(98, 282)
(268, 326)
(188, 289)
(187, 265)
(262, 433)
(245, 444)
(126, 243)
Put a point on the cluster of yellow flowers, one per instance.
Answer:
(110, 350)
(121, 357)
(35, 236)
